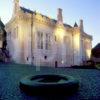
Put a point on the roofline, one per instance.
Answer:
(32, 12)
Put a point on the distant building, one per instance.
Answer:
(2, 36)
(36, 39)
(96, 53)
(4, 54)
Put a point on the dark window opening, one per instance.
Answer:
(27, 58)
(56, 64)
(45, 57)
(33, 57)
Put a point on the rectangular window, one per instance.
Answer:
(40, 40)
(48, 42)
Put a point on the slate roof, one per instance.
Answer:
(34, 12)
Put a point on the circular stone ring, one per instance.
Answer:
(49, 84)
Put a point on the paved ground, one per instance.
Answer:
(10, 76)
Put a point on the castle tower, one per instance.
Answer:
(59, 16)
(16, 6)
(81, 25)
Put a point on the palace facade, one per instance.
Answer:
(36, 39)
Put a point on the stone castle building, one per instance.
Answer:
(36, 39)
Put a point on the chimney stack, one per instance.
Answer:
(81, 25)
(16, 6)
(59, 16)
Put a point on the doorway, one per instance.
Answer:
(56, 64)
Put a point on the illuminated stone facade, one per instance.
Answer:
(37, 39)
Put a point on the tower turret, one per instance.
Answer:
(59, 16)
(81, 25)
(16, 6)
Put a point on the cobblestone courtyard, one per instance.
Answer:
(10, 76)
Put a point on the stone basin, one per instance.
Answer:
(49, 84)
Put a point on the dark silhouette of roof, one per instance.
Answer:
(97, 46)
(34, 12)
(1, 24)
(2, 27)
(66, 25)
(27, 10)
(96, 51)
(75, 25)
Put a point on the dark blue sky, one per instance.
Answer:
(73, 10)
